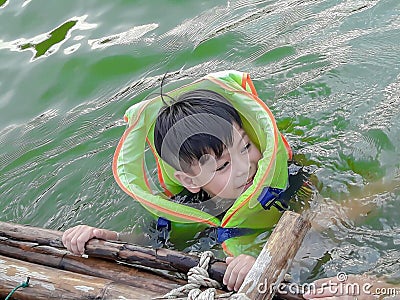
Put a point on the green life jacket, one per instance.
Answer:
(252, 211)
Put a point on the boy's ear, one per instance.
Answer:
(187, 181)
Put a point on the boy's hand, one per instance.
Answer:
(75, 238)
(237, 269)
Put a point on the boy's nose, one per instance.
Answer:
(243, 166)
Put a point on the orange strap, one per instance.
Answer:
(287, 146)
(159, 171)
(246, 81)
(146, 180)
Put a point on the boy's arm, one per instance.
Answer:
(237, 269)
(75, 238)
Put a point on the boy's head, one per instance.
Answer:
(200, 134)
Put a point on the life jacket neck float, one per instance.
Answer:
(252, 210)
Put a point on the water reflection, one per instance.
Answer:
(49, 43)
(53, 38)
(3, 3)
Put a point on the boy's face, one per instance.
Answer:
(228, 176)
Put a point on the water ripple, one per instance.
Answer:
(123, 38)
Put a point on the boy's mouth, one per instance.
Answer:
(248, 183)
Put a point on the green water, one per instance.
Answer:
(329, 70)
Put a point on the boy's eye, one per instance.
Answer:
(223, 166)
(247, 147)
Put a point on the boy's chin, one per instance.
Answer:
(229, 197)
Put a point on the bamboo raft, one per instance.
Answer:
(116, 270)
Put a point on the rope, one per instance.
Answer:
(24, 285)
(197, 277)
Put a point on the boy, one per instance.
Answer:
(221, 160)
(201, 136)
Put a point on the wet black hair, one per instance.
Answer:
(198, 122)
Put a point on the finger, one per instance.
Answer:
(229, 259)
(100, 234)
(97, 233)
(73, 243)
(79, 236)
(82, 240)
(240, 278)
(232, 279)
(228, 276)
(237, 266)
(64, 236)
(244, 268)
(67, 237)
(234, 275)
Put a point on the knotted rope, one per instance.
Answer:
(22, 285)
(198, 277)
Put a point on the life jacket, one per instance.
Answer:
(253, 210)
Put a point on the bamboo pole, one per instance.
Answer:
(49, 283)
(268, 271)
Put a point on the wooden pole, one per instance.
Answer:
(62, 259)
(267, 273)
(49, 283)
(44, 246)
(163, 259)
